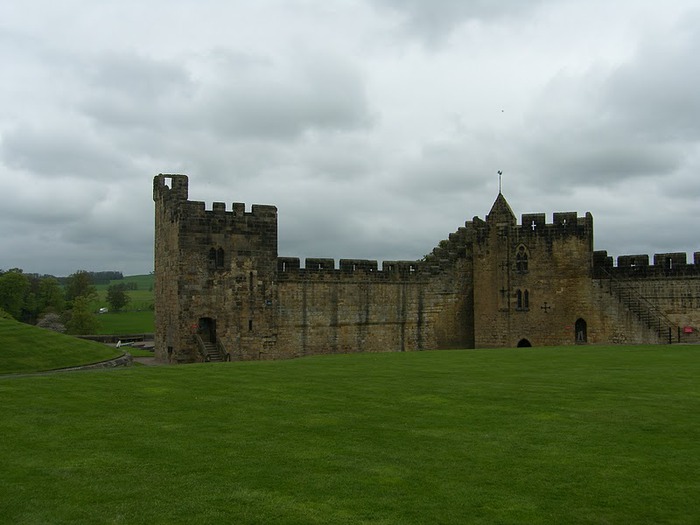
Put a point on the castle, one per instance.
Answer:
(222, 291)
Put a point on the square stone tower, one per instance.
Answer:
(215, 275)
(532, 282)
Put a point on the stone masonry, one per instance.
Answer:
(222, 290)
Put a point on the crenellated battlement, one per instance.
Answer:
(501, 221)
(173, 190)
(673, 264)
(237, 213)
(321, 268)
(562, 223)
(170, 193)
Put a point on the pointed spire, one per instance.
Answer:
(500, 212)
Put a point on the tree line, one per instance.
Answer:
(61, 304)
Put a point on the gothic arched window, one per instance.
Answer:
(521, 259)
(522, 300)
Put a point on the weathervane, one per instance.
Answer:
(500, 173)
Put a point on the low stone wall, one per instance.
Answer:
(113, 338)
(118, 362)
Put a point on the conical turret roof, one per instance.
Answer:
(500, 212)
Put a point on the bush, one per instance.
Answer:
(51, 321)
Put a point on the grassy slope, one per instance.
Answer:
(545, 435)
(25, 348)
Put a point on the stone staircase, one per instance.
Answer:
(645, 310)
(212, 352)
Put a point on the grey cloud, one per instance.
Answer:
(128, 90)
(463, 162)
(434, 21)
(656, 94)
(242, 96)
(282, 100)
(586, 158)
(607, 127)
(43, 204)
(60, 151)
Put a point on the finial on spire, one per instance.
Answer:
(500, 174)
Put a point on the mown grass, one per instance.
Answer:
(124, 323)
(543, 435)
(26, 349)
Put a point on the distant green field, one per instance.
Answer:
(137, 317)
(25, 349)
(141, 298)
(124, 323)
(575, 435)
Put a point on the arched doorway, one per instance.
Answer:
(207, 329)
(524, 343)
(581, 331)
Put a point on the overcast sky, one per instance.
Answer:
(375, 126)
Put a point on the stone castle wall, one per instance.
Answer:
(358, 308)
(491, 283)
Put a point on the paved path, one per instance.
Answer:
(148, 361)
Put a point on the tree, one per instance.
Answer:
(51, 296)
(14, 286)
(80, 285)
(82, 321)
(117, 296)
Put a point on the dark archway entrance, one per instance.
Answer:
(581, 331)
(524, 343)
(207, 329)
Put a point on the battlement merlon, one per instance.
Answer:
(660, 260)
(567, 221)
(171, 187)
(637, 266)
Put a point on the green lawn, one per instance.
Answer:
(124, 323)
(137, 317)
(26, 349)
(542, 435)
